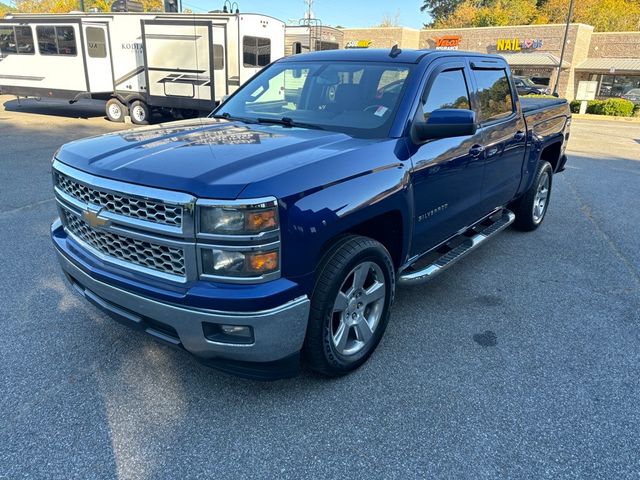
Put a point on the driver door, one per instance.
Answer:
(446, 173)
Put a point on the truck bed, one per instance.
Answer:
(545, 116)
(531, 104)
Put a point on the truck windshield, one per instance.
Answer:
(356, 98)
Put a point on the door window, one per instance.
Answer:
(96, 42)
(494, 95)
(448, 90)
(218, 57)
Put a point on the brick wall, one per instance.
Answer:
(383, 37)
(615, 45)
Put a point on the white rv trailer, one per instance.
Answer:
(311, 38)
(137, 62)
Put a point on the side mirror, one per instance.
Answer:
(445, 123)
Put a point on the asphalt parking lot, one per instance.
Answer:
(523, 361)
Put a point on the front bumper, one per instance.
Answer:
(278, 332)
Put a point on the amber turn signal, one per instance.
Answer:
(263, 262)
(262, 220)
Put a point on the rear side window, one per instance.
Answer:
(16, 40)
(448, 90)
(494, 94)
(56, 41)
(256, 51)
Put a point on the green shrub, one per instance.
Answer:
(593, 106)
(575, 106)
(636, 110)
(617, 107)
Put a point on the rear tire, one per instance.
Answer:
(531, 208)
(139, 112)
(350, 305)
(115, 110)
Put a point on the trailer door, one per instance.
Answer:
(98, 57)
(179, 62)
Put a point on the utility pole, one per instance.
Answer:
(564, 44)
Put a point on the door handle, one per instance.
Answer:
(519, 136)
(476, 150)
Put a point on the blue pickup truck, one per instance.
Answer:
(275, 231)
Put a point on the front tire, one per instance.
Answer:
(531, 208)
(350, 305)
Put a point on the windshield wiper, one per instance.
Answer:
(228, 116)
(288, 122)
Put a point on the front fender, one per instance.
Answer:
(320, 216)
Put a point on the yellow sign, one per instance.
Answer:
(358, 44)
(515, 45)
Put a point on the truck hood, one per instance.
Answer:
(207, 157)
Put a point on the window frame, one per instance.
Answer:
(256, 38)
(15, 39)
(216, 67)
(55, 36)
(512, 88)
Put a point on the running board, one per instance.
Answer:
(477, 236)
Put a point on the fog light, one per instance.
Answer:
(228, 333)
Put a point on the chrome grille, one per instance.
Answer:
(139, 208)
(157, 257)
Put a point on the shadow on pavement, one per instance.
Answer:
(59, 108)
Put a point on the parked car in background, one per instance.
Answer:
(279, 227)
(633, 95)
(525, 86)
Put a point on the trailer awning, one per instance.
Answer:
(607, 65)
(534, 60)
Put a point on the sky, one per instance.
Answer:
(347, 13)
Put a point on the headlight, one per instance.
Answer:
(238, 241)
(230, 263)
(250, 219)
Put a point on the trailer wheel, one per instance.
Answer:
(115, 110)
(139, 112)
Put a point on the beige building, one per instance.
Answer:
(610, 59)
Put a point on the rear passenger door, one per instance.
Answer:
(447, 173)
(503, 133)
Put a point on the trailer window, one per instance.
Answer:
(56, 40)
(218, 57)
(7, 41)
(96, 42)
(256, 51)
(16, 40)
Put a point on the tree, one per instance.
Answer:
(4, 9)
(440, 9)
(604, 15)
(390, 21)
(65, 6)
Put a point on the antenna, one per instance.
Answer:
(395, 51)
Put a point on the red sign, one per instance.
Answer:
(448, 42)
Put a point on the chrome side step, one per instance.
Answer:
(475, 237)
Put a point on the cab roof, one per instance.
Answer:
(406, 55)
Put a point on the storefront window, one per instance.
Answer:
(617, 85)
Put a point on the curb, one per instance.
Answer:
(600, 118)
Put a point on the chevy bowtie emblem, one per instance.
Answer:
(93, 218)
